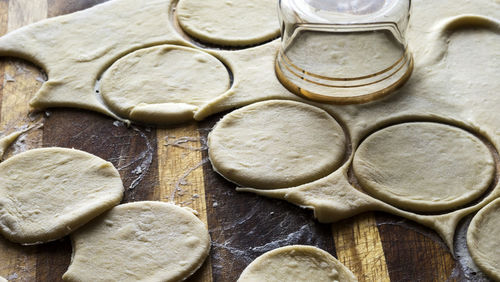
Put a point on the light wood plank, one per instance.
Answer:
(22, 80)
(180, 171)
(359, 247)
(24, 12)
(19, 85)
(4, 20)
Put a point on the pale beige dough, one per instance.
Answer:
(157, 84)
(2, 279)
(229, 22)
(6, 141)
(139, 241)
(423, 166)
(47, 193)
(483, 241)
(276, 144)
(296, 263)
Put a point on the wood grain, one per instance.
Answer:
(377, 247)
(411, 251)
(19, 85)
(180, 170)
(359, 248)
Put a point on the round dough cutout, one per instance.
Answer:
(163, 84)
(296, 263)
(229, 22)
(424, 166)
(47, 193)
(276, 144)
(139, 241)
(483, 241)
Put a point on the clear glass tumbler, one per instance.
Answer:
(343, 51)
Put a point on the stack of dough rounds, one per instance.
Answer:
(276, 144)
(47, 193)
(423, 166)
(229, 22)
(483, 241)
(296, 263)
(157, 84)
(139, 241)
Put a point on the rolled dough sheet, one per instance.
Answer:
(229, 22)
(454, 82)
(276, 144)
(75, 49)
(47, 193)
(6, 141)
(424, 166)
(158, 76)
(139, 241)
(296, 263)
(482, 239)
(3, 279)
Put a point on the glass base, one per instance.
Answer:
(343, 90)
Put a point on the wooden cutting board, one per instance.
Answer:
(170, 164)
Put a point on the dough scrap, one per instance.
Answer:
(482, 239)
(276, 144)
(47, 193)
(6, 141)
(229, 22)
(423, 166)
(296, 263)
(159, 80)
(3, 279)
(139, 241)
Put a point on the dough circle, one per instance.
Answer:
(139, 241)
(163, 84)
(424, 166)
(47, 193)
(276, 144)
(483, 241)
(229, 22)
(296, 263)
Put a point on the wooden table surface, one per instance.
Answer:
(171, 164)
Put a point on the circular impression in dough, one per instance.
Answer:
(424, 166)
(163, 84)
(229, 22)
(276, 144)
(483, 241)
(47, 193)
(139, 241)
(296, 263)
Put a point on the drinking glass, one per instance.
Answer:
(343, 51)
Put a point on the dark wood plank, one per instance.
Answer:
(415, 253)
(53, 260)
(243, 226)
